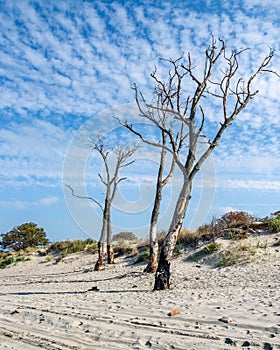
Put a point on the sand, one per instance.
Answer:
(66, 305)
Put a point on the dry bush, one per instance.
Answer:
(220, 227)
(203, 230)
(186, 236)
(126, 247)
(235, 219)
(125, 243)
(124, 236)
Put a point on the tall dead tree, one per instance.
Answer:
(162, 120)
(161, 182)
(192, 95)
(110, 180)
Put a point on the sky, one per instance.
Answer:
(66, 67)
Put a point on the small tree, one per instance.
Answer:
(111, 181)
(24, 236)
(186, 102)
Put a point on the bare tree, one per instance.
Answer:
(161, 118)
(187, 102)
(111, 181)
(161, 182)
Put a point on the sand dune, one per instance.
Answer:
(69, 306)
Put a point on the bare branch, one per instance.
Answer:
(102, 180)
(84, 197)
(170, 174)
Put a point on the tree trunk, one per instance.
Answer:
(152, 265)
(101, 255)
(110, 251)
(110, 254)
(162, 277)
(101, 243)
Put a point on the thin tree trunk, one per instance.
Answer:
(163, 274)
(110, 251)
(110, 254)
(101, 254)
(101, 243)
(152, 265)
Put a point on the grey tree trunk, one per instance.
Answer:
(101, 243)
(110, 251)
(162, 278)
(101, 255)
(152, 265)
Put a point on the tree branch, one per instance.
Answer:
(84, 197)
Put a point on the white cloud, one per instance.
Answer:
(260, 185)
(48, 201)
(61, 63)
(32, 153)
(54, 57)
(23, 205)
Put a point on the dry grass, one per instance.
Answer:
(234, 226)
(64, 248)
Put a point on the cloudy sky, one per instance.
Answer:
(67, 66)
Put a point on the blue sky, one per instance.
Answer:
(67, 66)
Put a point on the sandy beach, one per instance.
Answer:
(67, 305)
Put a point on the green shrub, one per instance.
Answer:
(238, 254)
(248, 248)
(229, 258)
(212, 247)
(144, 256)
(179, 249)
(48, 258)
(274, 225)
(11, 259)
(69, 247)
(92, 248)
(232, 235)
(262, 245)
(57, 246)
(7, 261)
(24, 236)
(76, 246)
(42, 252)
(205, 251)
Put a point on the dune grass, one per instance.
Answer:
(233, 226)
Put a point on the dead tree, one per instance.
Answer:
(111, 181)
(161, 118)
(188, 102)
(161, 182)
